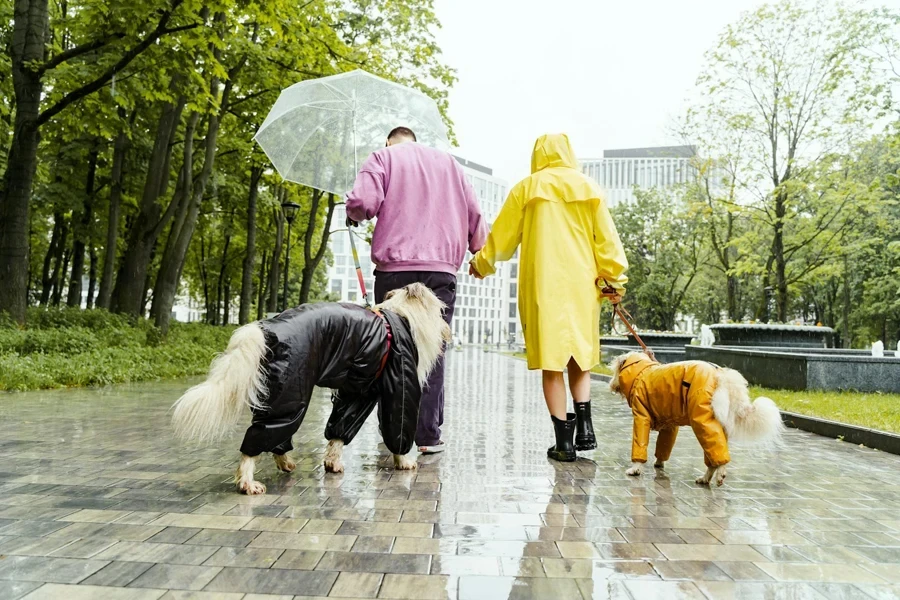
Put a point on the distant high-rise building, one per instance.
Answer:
(619, 171)
(486, 311)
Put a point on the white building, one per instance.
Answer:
(486, 311)
(619, 171)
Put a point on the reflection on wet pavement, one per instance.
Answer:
(98, 501)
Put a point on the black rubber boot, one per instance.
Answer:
(564, 449)
(584, 427)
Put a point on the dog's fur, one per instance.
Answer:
(237, 381)
(757, 422)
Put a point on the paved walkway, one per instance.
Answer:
(96, 501)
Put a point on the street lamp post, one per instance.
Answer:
(290, 211)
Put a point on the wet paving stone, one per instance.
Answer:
(122, 510)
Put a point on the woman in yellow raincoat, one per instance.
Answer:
(570, 249)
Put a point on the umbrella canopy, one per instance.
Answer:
(321, 130)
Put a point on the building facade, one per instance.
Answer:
(486, 311)
(620, 171)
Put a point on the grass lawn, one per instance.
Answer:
(877, 411)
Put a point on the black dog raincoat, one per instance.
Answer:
(338, 346)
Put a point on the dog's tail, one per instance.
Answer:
(208, 411)
(757, 422)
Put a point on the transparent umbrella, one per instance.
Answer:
(320, 130)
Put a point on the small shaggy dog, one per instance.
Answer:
(379, 357)
(713, 400)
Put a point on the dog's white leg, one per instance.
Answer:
(284, 462)
(244, 477)
(404, 463)
(720, 475)
(659, 464)
(636, 469)
(333, 455)
(706, 477)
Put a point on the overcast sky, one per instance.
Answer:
(611, 74)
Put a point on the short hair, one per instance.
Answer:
(402, 132)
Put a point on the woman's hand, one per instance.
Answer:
(474, 272)
(609, 292)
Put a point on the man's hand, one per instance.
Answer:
(351, 223)
(474, 272)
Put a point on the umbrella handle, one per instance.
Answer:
(359, 275)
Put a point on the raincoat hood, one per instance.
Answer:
(553, 150)
(630, 372)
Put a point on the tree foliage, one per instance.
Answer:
(135, 168)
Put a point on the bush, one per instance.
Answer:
(70, 347)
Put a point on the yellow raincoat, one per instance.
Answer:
(568, 240)
(666, 397)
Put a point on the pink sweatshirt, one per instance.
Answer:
(427, 212)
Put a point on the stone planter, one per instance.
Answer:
(769, 336)
(805, 370)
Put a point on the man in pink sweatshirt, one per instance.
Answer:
(428, 216)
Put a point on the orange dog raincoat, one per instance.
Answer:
(666, 397)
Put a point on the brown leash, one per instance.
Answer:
(625, 317)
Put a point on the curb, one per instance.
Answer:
(871, 438)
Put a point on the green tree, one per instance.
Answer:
(664, 242)
(798, 81)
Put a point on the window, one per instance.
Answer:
(514, 270)
(351, 296)
(512, 329)
(336, 286)
(512, 310)
(512, 290)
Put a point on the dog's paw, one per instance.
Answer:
(252, 488)
(333, 465)
(634, 470)
(404, 463)
(285, 463)
(659, 465)
(720, 476)
(706, 477)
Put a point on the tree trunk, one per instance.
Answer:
(845, 309)
(781, 286)
(127, 295)
(194, 191)
(274, 272)
(169, 274)
(58, 266)
(112, 225)
(55, 241)
(250, 254)
(220, 284)
(57, 291)
(226, 304)
(731, 285)
(312, 260)
(261, 288)
(27, 47)
(92, 278)
(205, 279)
(81, 234)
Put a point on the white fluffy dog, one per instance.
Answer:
(712, 400)
(371, 358)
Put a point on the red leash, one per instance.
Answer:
(625, 317)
